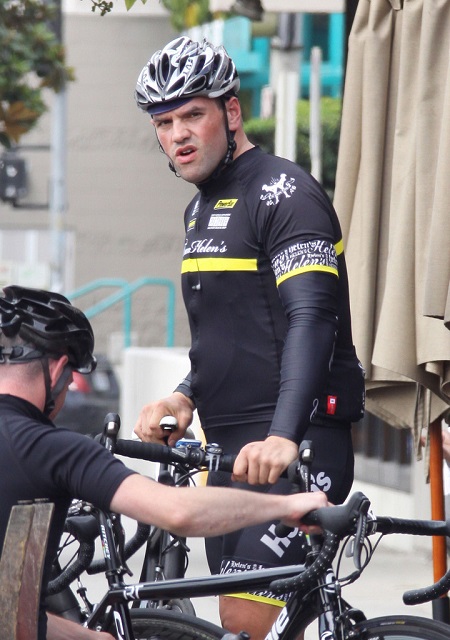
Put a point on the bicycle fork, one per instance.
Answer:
(330, 606)
(322, 604)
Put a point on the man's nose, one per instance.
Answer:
(180, 130)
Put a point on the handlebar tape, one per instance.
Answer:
(309, 577)
(71, 573)
(434, 591)
(136, 542)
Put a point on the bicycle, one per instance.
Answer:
(165, 557)
(315, 591)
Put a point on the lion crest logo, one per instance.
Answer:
(277, 188)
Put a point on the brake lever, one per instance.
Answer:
(306, 457)
(111, 427)
(360, 534)
(358, 541)
(299, 475)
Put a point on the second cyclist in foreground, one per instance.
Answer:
(43, 339)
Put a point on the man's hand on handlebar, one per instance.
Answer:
(263, 462)
(301, 504)
(148, 427)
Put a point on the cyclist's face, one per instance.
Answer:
(193, 137)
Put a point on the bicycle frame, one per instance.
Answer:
(193, 587)
(166, 555)
(298, 612)
(170, 546)
(312, 594)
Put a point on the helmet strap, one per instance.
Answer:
(172, 168)
(231, 146)
(171, 165)
(51, 394)
(228, 159)
(49, 399)
(62, 380)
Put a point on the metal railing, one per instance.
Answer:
(125, 294)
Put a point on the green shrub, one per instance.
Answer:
(262, 132)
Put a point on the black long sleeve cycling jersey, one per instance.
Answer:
(265, 287)
(40, 461)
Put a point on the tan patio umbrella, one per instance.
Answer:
(393, 199)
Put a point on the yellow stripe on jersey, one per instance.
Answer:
(218, 264)
(191, 265)
(339, 247)
(311, 267)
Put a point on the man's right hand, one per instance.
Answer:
(147, 427)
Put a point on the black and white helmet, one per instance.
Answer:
(49, 326)
(182, 70)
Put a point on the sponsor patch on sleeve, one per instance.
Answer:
(314, 255)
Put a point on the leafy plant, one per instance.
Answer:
(187, 13)
(31, 59)
(184, 14)
(105, 7)
(262, 132)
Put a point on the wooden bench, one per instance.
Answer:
(21, 566)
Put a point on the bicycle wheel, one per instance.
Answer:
(401, 628)
(157, 624)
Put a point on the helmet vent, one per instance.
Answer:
(185, 69)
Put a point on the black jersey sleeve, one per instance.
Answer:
(310, 302)
(185, 387)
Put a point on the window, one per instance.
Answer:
(316, 28)
(383, 453)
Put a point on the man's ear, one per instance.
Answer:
(234, 113)
(56, 367)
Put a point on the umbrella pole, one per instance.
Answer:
(441, 607)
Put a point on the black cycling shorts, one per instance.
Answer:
(258, 547)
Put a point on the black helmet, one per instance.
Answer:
(50, 323)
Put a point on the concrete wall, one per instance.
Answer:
(124, 205)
